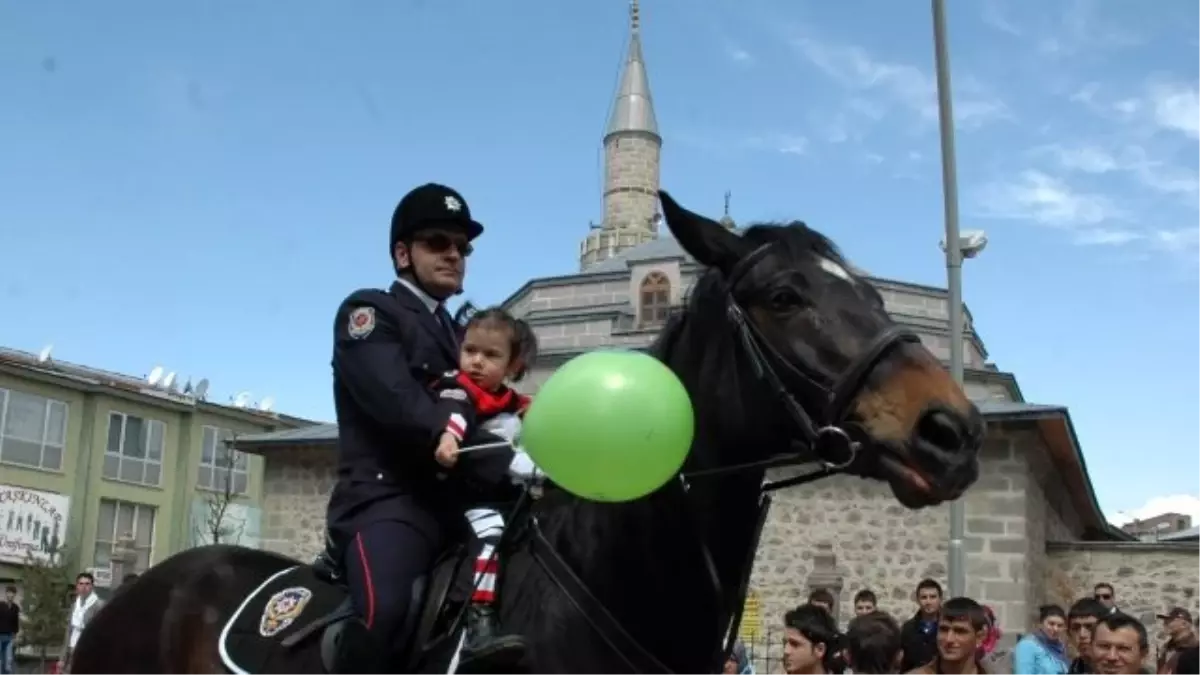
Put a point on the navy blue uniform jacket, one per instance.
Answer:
(388, 349)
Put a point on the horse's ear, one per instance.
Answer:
(709, 242)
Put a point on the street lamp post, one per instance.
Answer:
(956, 562)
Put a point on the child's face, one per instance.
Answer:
(486, 356)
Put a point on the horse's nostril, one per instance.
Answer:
(942, 429)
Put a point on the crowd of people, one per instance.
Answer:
(960, 635)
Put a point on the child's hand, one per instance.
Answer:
(447, 450)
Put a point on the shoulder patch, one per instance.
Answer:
(454, 394)
(361, 323)
(283, 609)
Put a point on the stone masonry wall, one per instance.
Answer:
(296, 487)
(630, 197)
(631, 181)
(887, 548)
(1147, 577)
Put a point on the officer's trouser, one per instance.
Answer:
(382, 561)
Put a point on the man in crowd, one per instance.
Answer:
(873, 643)
(810, 640)
(962, 626)
(1181, 635)
(1103, 592)
(919, 634)
(822, 598)
(864, 602)
(10, 625)
(85, 607)
(1081, 628)
(1119, 645)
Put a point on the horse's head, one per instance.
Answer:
(831, 369)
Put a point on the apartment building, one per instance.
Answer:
(98, 463)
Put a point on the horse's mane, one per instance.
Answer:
(711, 358)
(600, 540)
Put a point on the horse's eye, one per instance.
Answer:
(785, 298)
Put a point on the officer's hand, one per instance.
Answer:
(447, 450)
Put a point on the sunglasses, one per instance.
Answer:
(1104, 596)
(438, 242)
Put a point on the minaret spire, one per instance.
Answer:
(632, 148)
(633, 109)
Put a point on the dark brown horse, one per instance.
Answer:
(787, 355)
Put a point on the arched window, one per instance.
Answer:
(655, 298)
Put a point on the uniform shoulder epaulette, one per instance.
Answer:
(365, 295)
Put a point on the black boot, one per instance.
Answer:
(348, 647)
(485, 648)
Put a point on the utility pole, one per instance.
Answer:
(956, 563)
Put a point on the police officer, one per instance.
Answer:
(391, 513)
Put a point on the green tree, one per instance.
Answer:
(46, 584)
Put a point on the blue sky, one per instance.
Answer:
(199, 185)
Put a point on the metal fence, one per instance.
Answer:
(764, 649)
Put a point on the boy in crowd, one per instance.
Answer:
(1081, 627)
(873, 643)
(865, 602)
(962, 625)
(810, 641)
(918, 635)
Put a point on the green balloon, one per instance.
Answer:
(610, 425)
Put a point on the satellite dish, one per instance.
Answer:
(169, 380)
(44, 356)
(155, 375)
(266, 404)
(241, 400)
(201, 389)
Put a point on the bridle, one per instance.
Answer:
(824, 435)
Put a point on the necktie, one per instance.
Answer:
(447, 323)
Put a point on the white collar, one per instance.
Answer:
(424, 297)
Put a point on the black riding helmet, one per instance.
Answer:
(431, 205)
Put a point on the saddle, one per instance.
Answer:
(304, 613)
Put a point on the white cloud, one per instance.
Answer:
(996, 16)
(1188, 505)
(790, 144)
(1106, 237)
(1044, 199)
(739, 55)
(1087, 158)
(1184, 241)
(1081, 28)
(1134, 160)
(1176, 107)
(857, 70)
(724, 143)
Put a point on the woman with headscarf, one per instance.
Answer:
(1043, 652)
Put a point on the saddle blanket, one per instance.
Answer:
(285, 603)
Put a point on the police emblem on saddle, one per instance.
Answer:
(283, 609)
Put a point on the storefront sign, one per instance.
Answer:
(32, 522)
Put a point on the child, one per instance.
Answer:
(496, 348)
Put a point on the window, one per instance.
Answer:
(655, 298)
(119, 520)
(33, 430)
(222, 468)
(135, 449)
